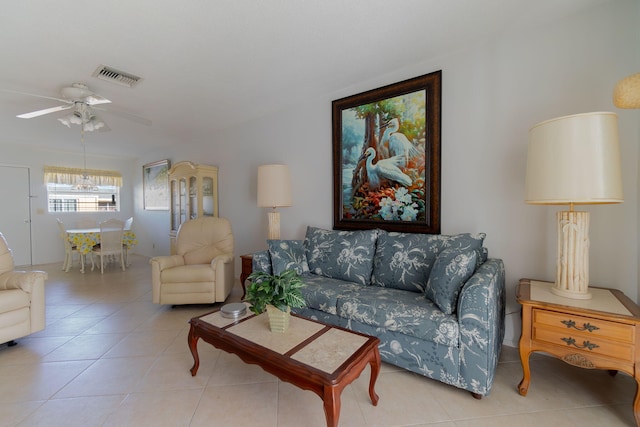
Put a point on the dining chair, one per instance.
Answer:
(69, 248)
(127, 227)
(111, 232)
(128, 223)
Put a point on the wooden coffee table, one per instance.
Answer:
(311, 355)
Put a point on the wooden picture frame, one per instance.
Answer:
(386, 157)
(155, 185)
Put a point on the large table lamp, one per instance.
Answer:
(274, 190)
(574, 160)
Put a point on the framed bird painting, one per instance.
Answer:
(386, 157)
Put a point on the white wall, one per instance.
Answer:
(493, 92)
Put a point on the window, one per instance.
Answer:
(80, 190)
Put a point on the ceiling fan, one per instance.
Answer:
(83, 101)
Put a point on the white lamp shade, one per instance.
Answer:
(574, 159)
(274, 186)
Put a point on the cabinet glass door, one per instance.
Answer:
(175, 203)
(207, 196)
(183, 200)
(193, 198)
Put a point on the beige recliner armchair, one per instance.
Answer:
(202, 271)
(22, 309)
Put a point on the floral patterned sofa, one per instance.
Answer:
(436, 302)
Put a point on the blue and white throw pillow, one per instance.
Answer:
(469, 241)
(287, 255)
(262, 262)
(344, 255)
(453, 267)
(404, 260)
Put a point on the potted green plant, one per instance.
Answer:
(276, 294)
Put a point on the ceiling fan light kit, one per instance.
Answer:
(83, 117)
(83, 101)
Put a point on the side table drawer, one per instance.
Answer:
(584, 343)
(584, 325)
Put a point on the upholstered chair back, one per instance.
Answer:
(202, 239)
(6, 257)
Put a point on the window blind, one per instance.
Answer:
(71, 176)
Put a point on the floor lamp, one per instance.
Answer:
(574, 160)
(274, 190)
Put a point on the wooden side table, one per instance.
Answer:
(600, 333)
(247, 267)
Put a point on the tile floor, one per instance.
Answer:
(109, 357)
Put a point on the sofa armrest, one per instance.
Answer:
(158, 264)
(221, 259)
(32, 283)
(25, 280)
(224, 267)
(164, 262)
(262, 262)
(481, 308)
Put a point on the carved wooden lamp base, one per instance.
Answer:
(274, 225)
(572, 265)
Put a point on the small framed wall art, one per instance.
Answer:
(155, 185)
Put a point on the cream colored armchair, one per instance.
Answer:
(21, 298)
(202, 271)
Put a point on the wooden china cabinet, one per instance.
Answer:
(194, 193)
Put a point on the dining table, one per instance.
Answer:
(84, 239)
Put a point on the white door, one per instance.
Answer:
(15, 214)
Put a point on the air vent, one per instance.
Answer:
(116, 76)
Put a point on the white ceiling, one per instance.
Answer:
(207, 65)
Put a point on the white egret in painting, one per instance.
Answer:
(397, 142)
(385, 169)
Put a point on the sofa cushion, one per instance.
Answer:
(404, 260)
(345, 255)
(400, 311)
(451, 270)
(321, 293)
(288, 255)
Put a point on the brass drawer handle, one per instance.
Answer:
(585, 344)
(586, 326)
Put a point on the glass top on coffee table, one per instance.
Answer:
(326, 352)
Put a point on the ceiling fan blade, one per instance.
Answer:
(38, 96)
(80, 92)
(70, 95)
(96, 100)
(125, 115)
(45, 111)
